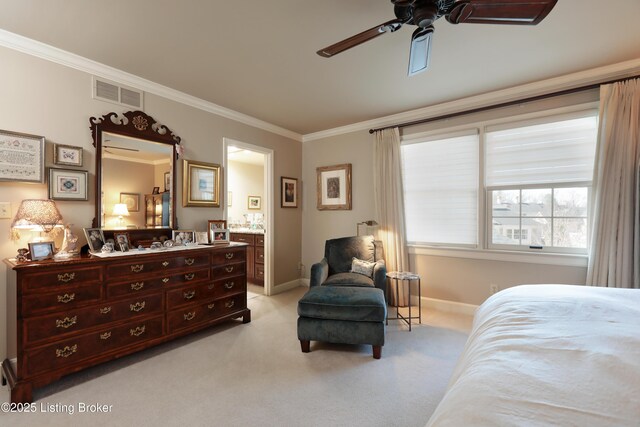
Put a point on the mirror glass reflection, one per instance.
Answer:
(136, 175)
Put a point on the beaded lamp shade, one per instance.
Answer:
(37, 214)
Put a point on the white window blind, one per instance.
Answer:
(440, 178)
(554, 152)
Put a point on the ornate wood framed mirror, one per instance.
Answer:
(136, 167)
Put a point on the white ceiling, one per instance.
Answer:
(258, 57)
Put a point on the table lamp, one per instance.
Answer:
(120, 210)
(36, 215)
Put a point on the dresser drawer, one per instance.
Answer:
(229, 270)
(71, 321)
(249, 239)
(259, 271)
(71, 276)
(64, 299)
(228, 256)
(143, 268)
(217, 289)
(72, 350)
(133, 287)
(229, 286)
(259, 255)
(208, 311)
(259, 240)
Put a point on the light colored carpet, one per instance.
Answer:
(255, 374)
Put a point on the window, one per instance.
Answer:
(533, 180)
(538, 180)
(440, 179)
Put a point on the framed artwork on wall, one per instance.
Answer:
(67, 184)
(254, 202)
(132, 200)
(288, 192)
(67, 155)
(21, 157)
(200, 184)
(167, 181)
(334, 187)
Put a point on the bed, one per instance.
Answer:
(542, 355)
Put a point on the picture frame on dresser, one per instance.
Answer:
(122, 240)
(41, 250)
(183, 237)
(220, 237)
(95, 238)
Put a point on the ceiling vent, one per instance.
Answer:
(105, 90)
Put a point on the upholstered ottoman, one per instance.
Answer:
(344, 315)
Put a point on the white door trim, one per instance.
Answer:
(269, 205)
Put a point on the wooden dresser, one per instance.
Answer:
(255, 255)
(69, 315)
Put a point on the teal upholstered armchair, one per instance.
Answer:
(335, 267)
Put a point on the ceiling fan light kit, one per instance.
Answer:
(423, 13)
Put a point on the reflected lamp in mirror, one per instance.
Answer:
(120, 210)
(367, 228)
(36, 215)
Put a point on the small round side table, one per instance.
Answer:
(402, 277)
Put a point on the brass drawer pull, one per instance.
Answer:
(228, 255)
(210, 306)
(189, 261)
(229, 285)
(66, 277)
(189, 276)
(229, 304)
(105, 310)
(137, 306)
(139, 330)
(66, 322)
(137, 268)
(105, 336)
(189, 295)
(66, 298)
(261, 256)
(137, 286)
(66, 351)
(211, 286)
(165, 280)
(190, 315)
(165, 263)
(228, 269)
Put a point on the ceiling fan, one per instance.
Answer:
(423, 13)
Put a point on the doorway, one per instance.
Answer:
(248, 184)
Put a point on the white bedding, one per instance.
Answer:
(549, 355)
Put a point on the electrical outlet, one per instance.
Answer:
(493, 288)
(5, 210)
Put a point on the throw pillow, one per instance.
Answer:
(362, 267)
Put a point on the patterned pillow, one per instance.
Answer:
(362, 267)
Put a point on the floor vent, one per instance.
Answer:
(113, 92)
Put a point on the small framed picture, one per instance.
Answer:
(182, 237)
(220, 237)
(95, 238)
(334, 187)
(67, 155)
(41, 250)
(254, 202)
(156, 190)
(122, 240)
(167, 181)
(214, 225)
(67, 184)
(132, 200)
(288, 192)
(202, 237)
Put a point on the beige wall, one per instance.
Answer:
(125, 177)
(457, 279)
(244, 180)
(43, 98)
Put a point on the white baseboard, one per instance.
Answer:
(305, 282)
(283, 287)
(449, 306)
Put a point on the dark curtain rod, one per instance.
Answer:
(504, 104)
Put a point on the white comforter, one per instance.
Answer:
(549, 355)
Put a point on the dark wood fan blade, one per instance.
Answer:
(518, 12)
(420, 50)
(334, 49)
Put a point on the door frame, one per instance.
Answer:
(269, 199)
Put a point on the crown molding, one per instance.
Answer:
(71, 60)
(556, 84)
